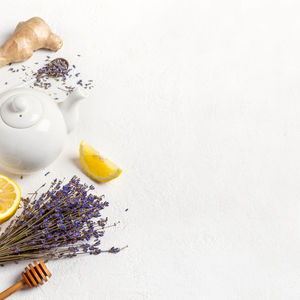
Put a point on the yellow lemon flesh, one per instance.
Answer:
(97, 167)
(10, 196)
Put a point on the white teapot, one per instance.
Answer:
(33, 128)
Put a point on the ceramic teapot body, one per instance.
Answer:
(33, 129)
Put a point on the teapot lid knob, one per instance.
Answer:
(21, 110)
(19, 104)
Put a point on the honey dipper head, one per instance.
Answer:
(35, 275)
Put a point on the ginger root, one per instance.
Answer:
(28, 36)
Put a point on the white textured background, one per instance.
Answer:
(199, 103)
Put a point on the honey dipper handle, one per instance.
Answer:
(19, 285)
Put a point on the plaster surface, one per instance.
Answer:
(198, 102)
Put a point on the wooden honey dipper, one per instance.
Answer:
(33, 276)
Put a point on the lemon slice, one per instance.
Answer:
(10, 196)
(97, 167)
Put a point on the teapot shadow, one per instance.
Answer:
(10, 175)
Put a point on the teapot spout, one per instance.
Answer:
(69, 107)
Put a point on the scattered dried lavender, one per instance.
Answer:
(59, 69)
(54, 71)
(63, 222)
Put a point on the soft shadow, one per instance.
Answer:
(10, 175)
(6, 36)
(76, 161)
(19, 266)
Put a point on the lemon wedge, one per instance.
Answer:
(97, 167)
(10, 196)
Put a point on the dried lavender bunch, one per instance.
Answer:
(63, 222)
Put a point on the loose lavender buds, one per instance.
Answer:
(63, 222)
(55, 71)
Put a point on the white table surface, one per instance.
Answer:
(199, 103)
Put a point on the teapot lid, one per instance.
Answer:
(21, 111)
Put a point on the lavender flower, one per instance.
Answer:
(63, 222)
